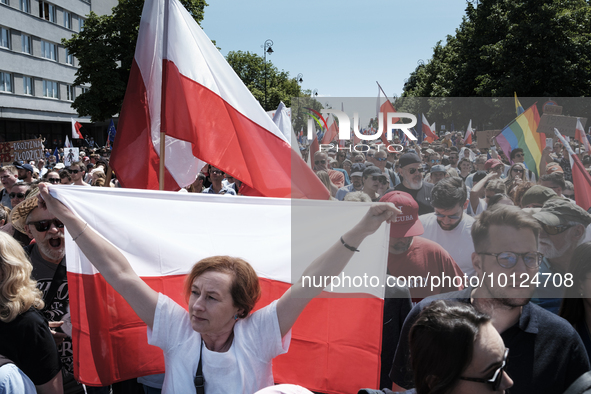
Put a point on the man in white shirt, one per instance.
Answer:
(448, 225)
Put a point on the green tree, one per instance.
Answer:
(105, 51)
(536, 48)
(250, 68)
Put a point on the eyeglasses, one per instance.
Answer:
(380, 158)
(319, 161)
(74, 171)
(44, 225)
(14, 195)
(452, 217)
(53, 180)
(497, 378)
(518, 170)
(553, 230)
(413, 170)
(509, 259)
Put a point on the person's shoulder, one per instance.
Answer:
(427, 245)
(428, 219)
(547, 321)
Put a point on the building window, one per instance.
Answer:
(47, 11)
(4, 1)
(84, 90)
(28, 85)
(5, 82)
(25, 6)
(69, 57)
(4, 38)
(26, 41)
(70, 93)
(49, 50)
(80, 24)
(67, 20)
(50, 89)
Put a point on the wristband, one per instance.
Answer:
(351, 248)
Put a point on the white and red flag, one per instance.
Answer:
(581, 178)
(384, 106)
(429, 131)
(336, 342)
(76, 126)
(332, 131)
(181, 84)
(469, 133)
(581, 137)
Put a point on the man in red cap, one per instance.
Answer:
(418, 261)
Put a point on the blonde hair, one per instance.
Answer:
(18, 291)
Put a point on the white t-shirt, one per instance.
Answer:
(457, 242)
(245, 368)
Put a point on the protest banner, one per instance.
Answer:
(24, 150)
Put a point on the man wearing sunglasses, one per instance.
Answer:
(547, 355)
(411, 171)
(217, 176)
(47, 256)
(380, 160)
(563, 229)
(77, 171)
(448, 225)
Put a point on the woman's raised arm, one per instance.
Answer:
(106, 258)
(330, 263)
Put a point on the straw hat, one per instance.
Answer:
(19, 214)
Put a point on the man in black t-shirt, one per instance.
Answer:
(411, 172)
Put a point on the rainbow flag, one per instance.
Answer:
(521, 133)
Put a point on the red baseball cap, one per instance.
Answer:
(407, 224)
(492, 163)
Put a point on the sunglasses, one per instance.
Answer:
(380, 158)
(553, 230)
(452, 217)
(53, 180)
(19, 195)
(74, 171)
(496, 379)
(370, 155)
(519, 155)
(319, 161)
(517, 170)
(379, 178)
(413, 170)
(509, 259)
(44, 225)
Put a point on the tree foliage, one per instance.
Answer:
(250, 67)
(105, 51)
(532, 47)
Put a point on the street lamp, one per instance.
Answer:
(267, 48)
(315, 93)
(300, 78)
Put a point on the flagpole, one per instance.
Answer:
(163, 98)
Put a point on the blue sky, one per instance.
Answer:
(340, 47)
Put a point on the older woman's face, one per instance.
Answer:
(211, 305)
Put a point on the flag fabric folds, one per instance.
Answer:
(111, 133)
(332, 131)
(181, 84)
(522, 133)
(335, 346)
(385, 107)
(76, 126)
(469, 132)
(518, 108)
(429, 130)
(581, 137)
(581, 178)
(67, 144)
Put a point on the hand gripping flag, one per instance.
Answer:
(180, 84)
(336, 342)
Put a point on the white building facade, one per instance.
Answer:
(36, 71)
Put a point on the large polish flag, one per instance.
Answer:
(336, 342)
(181, 84)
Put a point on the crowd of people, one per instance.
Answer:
(454, 211)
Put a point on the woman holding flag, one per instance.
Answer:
(218, 340)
